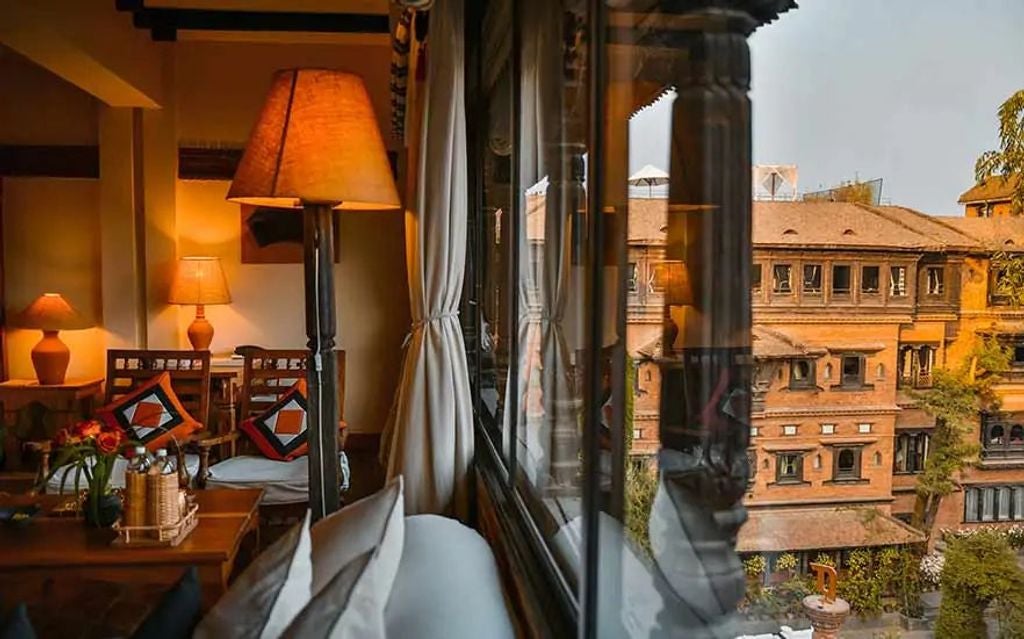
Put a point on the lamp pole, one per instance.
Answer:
(322, 362)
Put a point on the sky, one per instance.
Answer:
(904, 90)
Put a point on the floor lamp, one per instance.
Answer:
(316, 147)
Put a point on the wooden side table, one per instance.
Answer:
(28, 407)
(56, 561)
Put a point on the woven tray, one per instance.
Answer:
(149, 536)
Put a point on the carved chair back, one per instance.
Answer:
(189, 372)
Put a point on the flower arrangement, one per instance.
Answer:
(787, 562)
(931, 568)
(90, 449)
(754, 566)
(1014, 533)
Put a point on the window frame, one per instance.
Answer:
(777, 283)
(797, 477)
(810, 381)
(878, 279)
(904, 291)
(811, 291)
(848, 382)
(941, 271)
(848, 291)
(856, 473)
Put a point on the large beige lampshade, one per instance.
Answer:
(199, 280)
(50, 312)
(316, 142)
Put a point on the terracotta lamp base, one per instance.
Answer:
(50, 358)
(200, 331)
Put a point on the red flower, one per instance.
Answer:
(108, 442)
(87, 429)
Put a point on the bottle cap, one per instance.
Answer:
(140, 450)
(161, 452)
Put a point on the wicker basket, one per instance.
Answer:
(149, 536)
(164, 504)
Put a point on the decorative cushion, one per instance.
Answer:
(355, 553)
(177, 613)
(17, 625)
(447, 585)
(265, 599)
(54, 484)
(280, 431)
(346, 607)
(152, 414)
(282, 482)
(374, 522)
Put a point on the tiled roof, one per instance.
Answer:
(847, 225)
(999, 233)
(995, 188)
(769, 343)
(793, 529)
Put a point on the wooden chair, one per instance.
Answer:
(189, 372)
(267, 374)
(128, 369)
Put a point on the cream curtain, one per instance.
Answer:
(429, 438)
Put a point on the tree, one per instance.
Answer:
(980, 569)
(1010, 279)
(955, 400)
(1008, 161)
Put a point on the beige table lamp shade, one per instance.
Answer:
(674, 278)
(50, 312)
(199, 280)
(316, 142)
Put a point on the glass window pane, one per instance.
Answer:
(988, 504)
(1003, 503)
(551, 246)
(491, 248)
(971, 504)
(1018, 503)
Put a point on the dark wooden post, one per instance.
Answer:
(322, 365)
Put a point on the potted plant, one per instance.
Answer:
(89, 450)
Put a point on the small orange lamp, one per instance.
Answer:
(674, 278)
(200, 281)
(50, 313)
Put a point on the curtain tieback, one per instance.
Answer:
(418, 324)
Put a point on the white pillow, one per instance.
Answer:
(346, 608)
(268, 595)
(356, 552)
(377, 520)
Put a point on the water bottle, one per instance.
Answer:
(135, 488)
(162, 507)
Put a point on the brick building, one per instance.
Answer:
(854, 306)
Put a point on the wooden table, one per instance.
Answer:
(60, 554)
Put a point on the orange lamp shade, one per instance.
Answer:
(199, 280)
(674, 279)
(51, 312)
(316, 142)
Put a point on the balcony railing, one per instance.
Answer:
(916, 379)
(1001, 439)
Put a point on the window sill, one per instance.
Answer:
(847, 480)
(847, 388)
(804, 387)
(789, 482)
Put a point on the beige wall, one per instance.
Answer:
(267, 306)
(50, 226)
(213, 93)
(51, 245)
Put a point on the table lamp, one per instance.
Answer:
(674, 278)
(315, 147)
(50, 313)
(200, 281)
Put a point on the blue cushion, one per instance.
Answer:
(17, 625)
(177, 614)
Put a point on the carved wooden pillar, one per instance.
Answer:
(706, 385)
(322, 363)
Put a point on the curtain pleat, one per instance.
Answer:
(429, 438)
